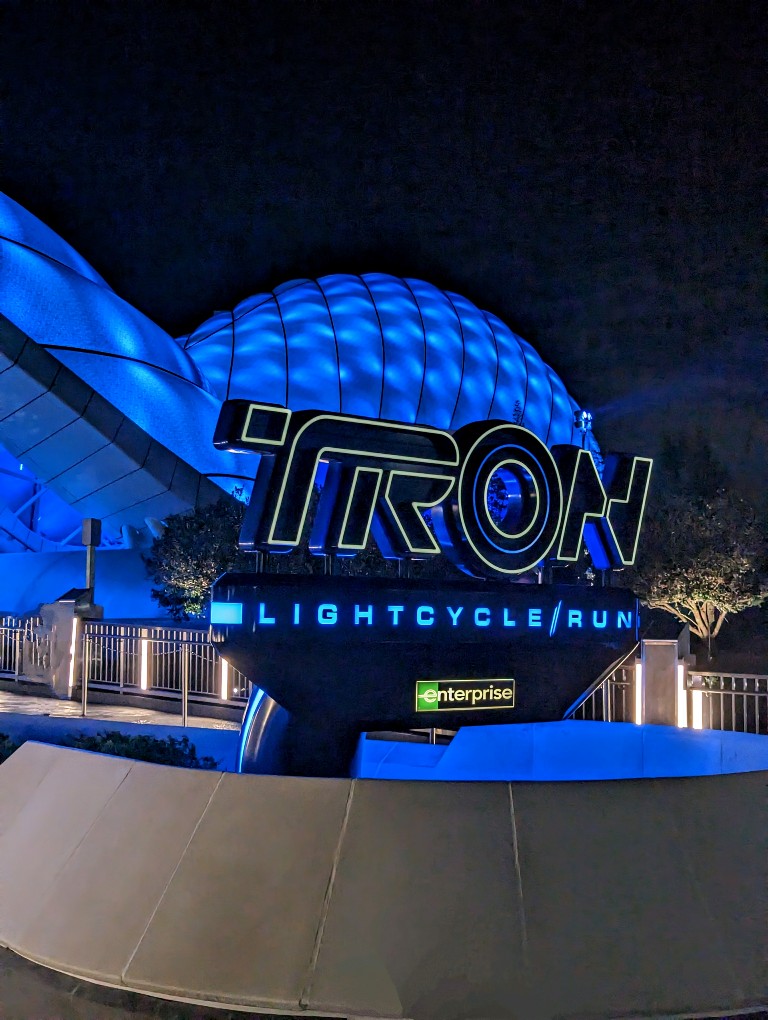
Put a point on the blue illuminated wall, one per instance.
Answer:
(122, 587)
(32, 517)
(563, 751)
(61, 304)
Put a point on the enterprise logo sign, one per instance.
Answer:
(463, 695)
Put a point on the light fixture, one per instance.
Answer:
(639, 699)
(682, 697)
(582, 422)
(224, 680)
(73, 654)
(144, 667)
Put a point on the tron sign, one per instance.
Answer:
(378, 477)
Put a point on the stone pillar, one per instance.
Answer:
(659, 672)
(61, 625)
(58, 625)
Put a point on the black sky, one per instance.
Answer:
(592, 173)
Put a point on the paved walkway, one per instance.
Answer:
(29, 992)
(25, 716)
(31, 704)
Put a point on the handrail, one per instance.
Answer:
(607, 672)
(729, 672)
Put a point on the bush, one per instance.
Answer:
(166, 751)
(7, 746)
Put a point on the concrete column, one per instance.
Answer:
(659, 678)
(59, 623)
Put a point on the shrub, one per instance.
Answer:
(165, 751)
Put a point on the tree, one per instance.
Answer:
(193, 550)
(198, 546)
(700, 558)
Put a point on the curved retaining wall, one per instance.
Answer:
(568, 750)
(430, 901)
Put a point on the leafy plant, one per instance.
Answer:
(194, 549)
(8, 746)
(702, 550)
(198, 546)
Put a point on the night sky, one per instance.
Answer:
(591, 173)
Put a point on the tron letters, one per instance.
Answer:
(378, 477)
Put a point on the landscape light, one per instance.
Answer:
(682, 698)
(144, 674)
(73, 653)
(638, 691)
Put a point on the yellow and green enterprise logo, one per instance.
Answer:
(463, 695)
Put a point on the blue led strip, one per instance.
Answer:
(227, 613)
(555, 617)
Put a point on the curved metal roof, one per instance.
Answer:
(382, 347)
(137, 439)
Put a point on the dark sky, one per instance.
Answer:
(592, 173)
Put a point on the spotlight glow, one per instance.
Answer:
(73, 654)
(144, 679)
(697, 710)
(682, 697)
(639, 691)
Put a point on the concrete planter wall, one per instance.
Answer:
(354, 898)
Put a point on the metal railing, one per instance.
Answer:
(612, 700)
(737, 702)
(126, 657)
(10, 644)
(611, 696)
(173, 660)
(23, 646)
(728, 701)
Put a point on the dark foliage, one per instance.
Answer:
(160, 751)
(198, 546)
(702, 554)
(193, 550)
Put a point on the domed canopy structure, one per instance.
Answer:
(381, 347)
(115, 418)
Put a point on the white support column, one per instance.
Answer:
(697, 709)
(660, 675)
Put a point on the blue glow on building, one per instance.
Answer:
(371, 345)
(257, 696)
(382, 347)
(567, 751)
(32, 517)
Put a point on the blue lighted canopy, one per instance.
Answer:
(371, 345)
(383, 347)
